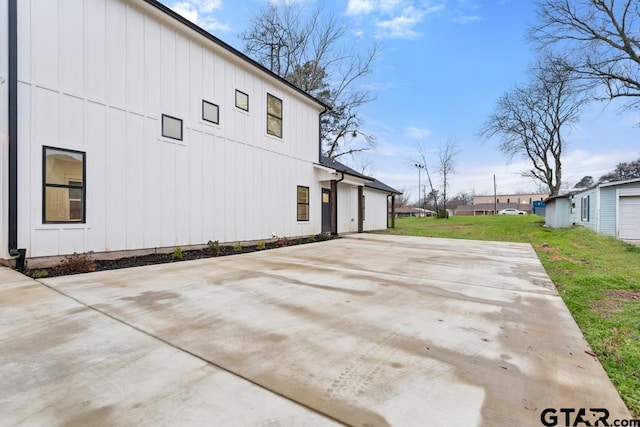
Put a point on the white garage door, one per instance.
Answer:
(629, 216)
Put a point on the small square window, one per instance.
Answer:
(274, 116)
(171, 127)
(210, 112)
(242, 100)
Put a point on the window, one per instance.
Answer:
(63, 185)
(242, 100)
(584, 208)
(274, 116)
(171, 127)
(210, 112)
(303, 203)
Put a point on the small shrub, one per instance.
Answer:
(322, 237)
(282, 242)
(312, 239)
(214, 248)
(39, 274)
(75, 264)
(299, 241)
(177, 254)
(237, 248)
(261, 246)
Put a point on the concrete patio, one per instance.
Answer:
(365, 330)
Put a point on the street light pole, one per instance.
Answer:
(420, 167)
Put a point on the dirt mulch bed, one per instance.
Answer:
(84, 263)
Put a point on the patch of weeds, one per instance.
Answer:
(261, 246)
(75, 264)
(176, 255)
(39, 274)
(322, 237)
(237, 248)
(299, 241)
(214, 248)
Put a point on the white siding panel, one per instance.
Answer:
(168, 187)
(181, 203)
(135, 78)
(72, 122)
(45, 55)
(375, 210)
(195, 183)
(152, 67)
(72, 240)
(46, 242)
(134, 186)
(95, 42)
(116, 180)
(24, 40)
(153, 191)
(195, 83)
(46, 119)
(182, 77)
(116, 53)
(168, 70)
(71, 45)
(211, 172)
(95, 131)
(30, 167)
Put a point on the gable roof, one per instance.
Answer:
(341, 167)
(184, 21)
(613, 183)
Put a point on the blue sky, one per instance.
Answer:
(443, 65)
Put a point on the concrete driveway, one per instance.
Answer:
(366, 330)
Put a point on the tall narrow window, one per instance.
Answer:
(63, 185)
(171, 127)
(274, 116)
(210, 112)
(303, 203)
(242, 100)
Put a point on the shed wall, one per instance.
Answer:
(4, 129)
(376, 207)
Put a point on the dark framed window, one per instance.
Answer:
(63, 185)
(242, 100)
(274, 116)
(210, 112)
(584, 208)
(303, 203)
(171, 127)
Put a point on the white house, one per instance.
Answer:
(126, 127)
(612, 209)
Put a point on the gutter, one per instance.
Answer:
(14, 252)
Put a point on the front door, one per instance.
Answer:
(326, 210)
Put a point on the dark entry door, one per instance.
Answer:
(326, 210)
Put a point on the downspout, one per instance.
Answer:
(18, 254)
(334, 205)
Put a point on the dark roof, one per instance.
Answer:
(341, 167)
(227, 47)
(377, 185)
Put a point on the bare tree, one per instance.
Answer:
(446, 167)
(530, 119)
(601, 36)
(308, 50)
(402, 199)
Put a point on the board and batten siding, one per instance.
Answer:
(376, 207)
(4, 130)
(97, 75)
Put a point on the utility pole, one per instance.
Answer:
(420, 167)
(495, 196)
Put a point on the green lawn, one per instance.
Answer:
(598, 277)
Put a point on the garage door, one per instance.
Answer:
(629, 227)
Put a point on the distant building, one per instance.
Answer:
(488, 204)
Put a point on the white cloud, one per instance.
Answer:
(200, 12)
(401, 27)
(414, 133)
(360, 7)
